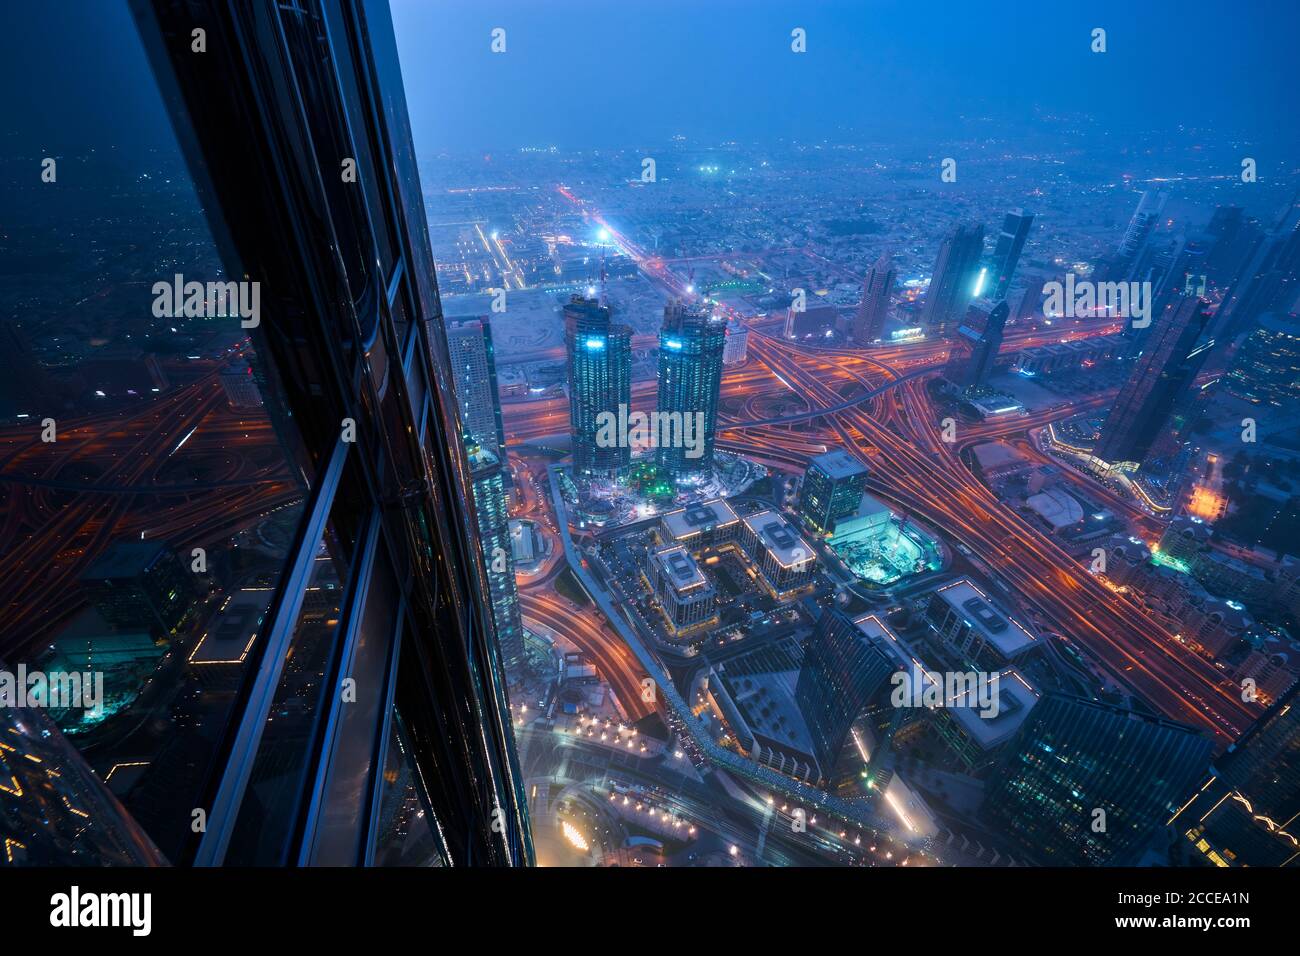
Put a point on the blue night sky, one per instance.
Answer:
(579, 73)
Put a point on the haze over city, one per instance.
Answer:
(682, 435)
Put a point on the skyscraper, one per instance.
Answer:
(1139, 230)
(469, 346)
(1266, 369)
(1246, 814)
(832, 487)
(1088, 783)
(1015, 230)
(736, 346)
(1268, 282)
(841, 671)
(869, 322)
(377, 577)
(493, 520)
(956, 278)
(1031, 303)
(690, 376)
(1232, 235)
(976, 345)
(134, 582)
(600, 380)
(1188, 271)
(1167, 365)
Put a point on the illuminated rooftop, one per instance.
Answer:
(677, 565)
(780, 538)
(687, 522)
(1008, 641)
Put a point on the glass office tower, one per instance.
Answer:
(1087, 783)
(1011, 242)
(488, 478)
(841, 672)
(690, 379)
(956, 279)
(1245, 813)
(600, 384)
(469, 342)
(1266, 368)
(832, 488)
(869, 320)
(1162, 373)
(266, 544)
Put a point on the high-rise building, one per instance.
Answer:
(1030, 305)
(832, 487)
(140, 583)
(869, 321)
(474, 370)
(841, 672)
(1015, 230)
(1179, 266)
(1232, 235)
(1268, 282)
(240, 387)
(976, 345)
(1088, 783)
(493, 520)
(958, 278)
(1246, 813)
(371, 570)
(1266, 369)
(736, 346)
(1169, 361)
(1144, 221)
(690, 378)
(600, 380)
(784, 561)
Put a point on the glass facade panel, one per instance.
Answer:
(151, 483)
(406, 831)
(272, 798)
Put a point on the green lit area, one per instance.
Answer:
(1169, 561)
(647, 481)
(741, 286)
(126, 661)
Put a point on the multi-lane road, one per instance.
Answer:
(916, 469)
(184, 469)
(897, 432)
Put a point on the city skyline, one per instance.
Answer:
(874, 446)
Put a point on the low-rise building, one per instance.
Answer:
(785, 562)
(974, 733)
(968, 625)
(688, 599)
(702, 525)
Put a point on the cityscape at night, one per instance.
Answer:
(736, 435)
